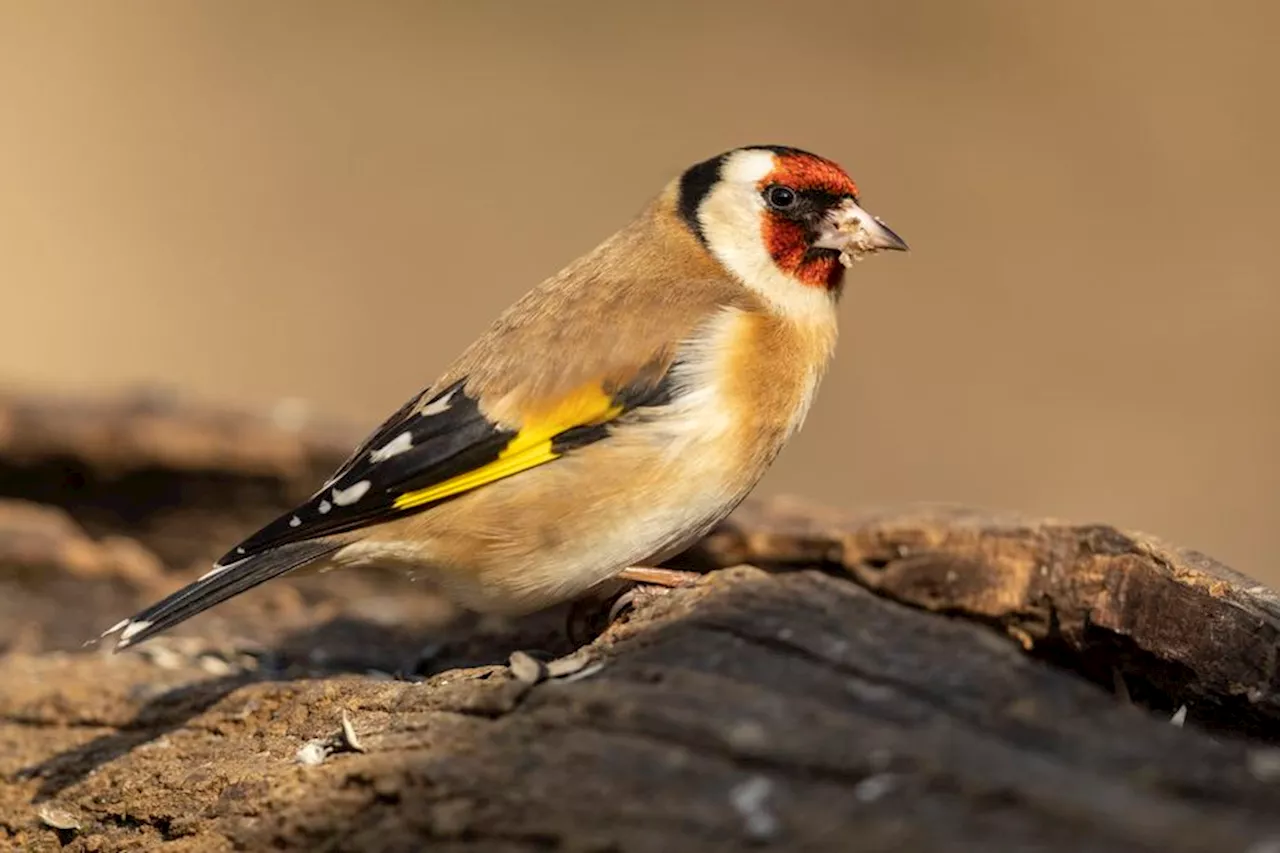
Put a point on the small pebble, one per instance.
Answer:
(585, 672)
(315, 752)
(569, 664)
(750, 800)
(526, 668)
(214, 665)
(312, 753)
(349, 733)
(874, 787)
(163, 657)
(58, 818)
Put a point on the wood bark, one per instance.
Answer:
(923, 679)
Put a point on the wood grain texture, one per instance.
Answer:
(925, 679)
(1179, 627)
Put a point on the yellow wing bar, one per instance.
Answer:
(530, 447)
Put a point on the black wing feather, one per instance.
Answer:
(392, 426)
(217, 587)
(444, 444)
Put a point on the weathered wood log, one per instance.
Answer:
(180, 477)
(1175, 626)
(921, 680)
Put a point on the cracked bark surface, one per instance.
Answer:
(916, 680)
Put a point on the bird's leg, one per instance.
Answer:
(583, 619)
(658, 577)
(647, 576)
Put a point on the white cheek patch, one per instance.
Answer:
(731, 220)
(351, 494)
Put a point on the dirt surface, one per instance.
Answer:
(928, 679)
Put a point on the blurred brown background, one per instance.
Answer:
(326, 201)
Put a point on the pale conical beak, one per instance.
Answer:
(854, 233)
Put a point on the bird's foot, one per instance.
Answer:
(588, 617)
(649, 582)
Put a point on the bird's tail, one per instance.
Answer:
(223, 582)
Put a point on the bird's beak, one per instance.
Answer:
(854, 233)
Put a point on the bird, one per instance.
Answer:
(605, 421)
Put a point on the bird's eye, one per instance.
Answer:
(780, 198)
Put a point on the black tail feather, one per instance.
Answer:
(217, 586)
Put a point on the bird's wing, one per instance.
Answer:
(559, 370)
(574, 359)
(438, 447)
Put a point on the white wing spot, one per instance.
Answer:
(133, 629)
(215, 571)
(295, 522)
(324, 507)
(115, 627)
(437, 407)
(394, 447)
(240, 550)
(219, 568)
(351, 494)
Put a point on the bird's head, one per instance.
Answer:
(780, 218)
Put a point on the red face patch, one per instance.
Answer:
(785, 238)
(810, 172)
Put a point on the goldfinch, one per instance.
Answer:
(606, 420)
